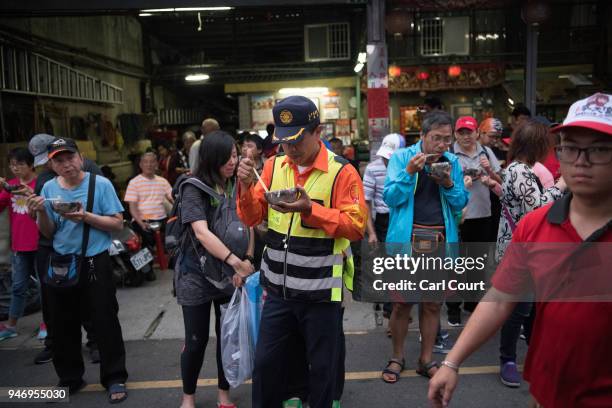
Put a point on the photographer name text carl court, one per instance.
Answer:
(426, 285)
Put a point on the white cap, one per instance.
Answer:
(390, 144)
(594, 112)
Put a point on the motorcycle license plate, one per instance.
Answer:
(141, 258)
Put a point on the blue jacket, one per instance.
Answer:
(399, 196)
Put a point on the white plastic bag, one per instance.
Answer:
(237, 345)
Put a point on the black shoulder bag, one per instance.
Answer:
(64, 270)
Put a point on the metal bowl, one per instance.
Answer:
(438, 169)
(474, 173)
(64, 207)
(286, 196)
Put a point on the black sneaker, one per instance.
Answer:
(454, 320)
(44, 356)
(94, 355)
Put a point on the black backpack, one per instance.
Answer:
(225, 224)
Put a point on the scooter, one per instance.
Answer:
(132, 263)
(160, 253)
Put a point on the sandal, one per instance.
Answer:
(117, 389)
(423, 369)
(394, 373)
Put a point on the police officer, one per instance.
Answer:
(307, 253)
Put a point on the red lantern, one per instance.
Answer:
(398, 22)
(422, 75)
(394, 71)
(454, 71)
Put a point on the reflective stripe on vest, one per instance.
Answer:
(305, 261)
(300, 283)
(312, 266)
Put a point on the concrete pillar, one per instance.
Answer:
(531, 68)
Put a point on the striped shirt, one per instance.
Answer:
(374, 183)
(149, 194)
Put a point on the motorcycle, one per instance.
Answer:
(132, 262)
(156, 228)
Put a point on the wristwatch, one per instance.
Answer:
(250, 259)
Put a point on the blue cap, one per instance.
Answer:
(292, 116)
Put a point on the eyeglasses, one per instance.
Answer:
(445, 140)
(594, 155)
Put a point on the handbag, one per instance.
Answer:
(425, 238)
(64, 270)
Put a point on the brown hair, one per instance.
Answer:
(530, 143)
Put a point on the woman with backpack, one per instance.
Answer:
(202, 251)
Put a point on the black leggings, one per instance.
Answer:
(197, 323)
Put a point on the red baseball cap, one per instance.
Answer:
(466, 122)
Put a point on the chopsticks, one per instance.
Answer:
(260, 180)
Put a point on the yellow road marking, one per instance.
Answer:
(352, 376)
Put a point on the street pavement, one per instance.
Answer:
(153, 330)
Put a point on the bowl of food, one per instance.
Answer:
(288, 195)
(474, 173)
(64, 207)
(439, 169)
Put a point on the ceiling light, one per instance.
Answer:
(362, 57)
(197, 77)
(166, 10)
(358, 67)
(179, 9)
(144, 14)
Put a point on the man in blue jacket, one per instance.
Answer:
(422, 203)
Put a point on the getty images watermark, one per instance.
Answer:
(543, 272)
(412, 265)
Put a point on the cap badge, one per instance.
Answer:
(286, 117)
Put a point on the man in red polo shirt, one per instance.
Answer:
(568, 363)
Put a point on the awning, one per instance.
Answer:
(273, 86)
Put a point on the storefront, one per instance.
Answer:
(466, 89)
(335, 98)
